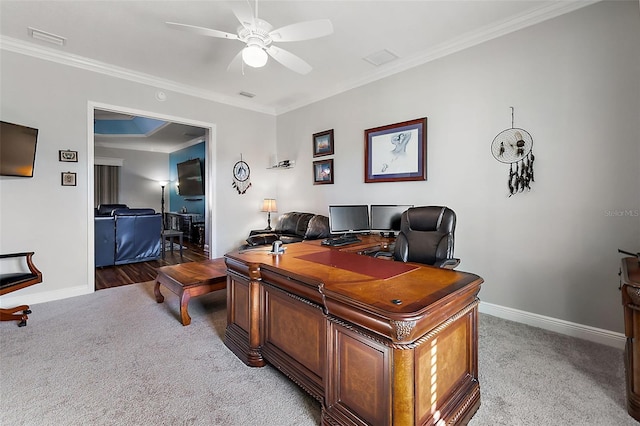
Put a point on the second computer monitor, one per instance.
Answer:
(386, 218)
(349, 219)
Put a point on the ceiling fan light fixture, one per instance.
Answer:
(254, 56)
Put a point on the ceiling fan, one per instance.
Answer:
(259, 36)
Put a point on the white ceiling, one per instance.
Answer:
(130, 39)
(167, 138)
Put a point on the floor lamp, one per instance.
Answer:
(269, 205)
(162, 185)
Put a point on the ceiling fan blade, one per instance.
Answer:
(236, 63)
(302, 31)
(244, 13)
(289, 60)
(202, 31)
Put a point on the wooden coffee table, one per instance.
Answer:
(191, 279)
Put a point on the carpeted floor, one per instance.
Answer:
(116, 357)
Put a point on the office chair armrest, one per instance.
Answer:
(447, 263)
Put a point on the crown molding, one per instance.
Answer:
(29, 49)
(458, 44)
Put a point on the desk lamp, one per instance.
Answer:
(269, 205)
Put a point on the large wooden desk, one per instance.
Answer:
(630, 281)
(374, 341)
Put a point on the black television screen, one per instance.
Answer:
(190, 178)
(349, 219)
(387, 217)
(17, 149)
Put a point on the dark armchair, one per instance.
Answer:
(427, 236)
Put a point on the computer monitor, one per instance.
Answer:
(386, 218)
(349, 219)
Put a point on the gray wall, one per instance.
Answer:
(38, 214)
(573, 82)
(139, 176)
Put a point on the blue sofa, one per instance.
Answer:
(127, 236)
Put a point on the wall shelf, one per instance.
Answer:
(286, 164)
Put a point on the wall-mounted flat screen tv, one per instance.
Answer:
(17, 149)
(190, 180)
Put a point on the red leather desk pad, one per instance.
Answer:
(365, 265)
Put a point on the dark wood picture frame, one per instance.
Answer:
(68, 179)
(323, 143)
(323, 172)
(68, 156)
(396, 152)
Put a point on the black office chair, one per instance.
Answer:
(426, 236)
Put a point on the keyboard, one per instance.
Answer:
(340, 241)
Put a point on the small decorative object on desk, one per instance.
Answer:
(241, 173)
(68, 156)
(515, 147)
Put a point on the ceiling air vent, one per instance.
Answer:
(380, 58)
(48, 37)
(247, 94)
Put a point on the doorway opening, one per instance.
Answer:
(148, 145)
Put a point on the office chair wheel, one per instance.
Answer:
(26, 311)
(22, 323)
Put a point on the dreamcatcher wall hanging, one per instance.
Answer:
(241, 174)
(514, 146)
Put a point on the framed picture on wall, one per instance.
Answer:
(396, 152)
(323, 172)
(68, 156)
(68, 179)
(323, 143)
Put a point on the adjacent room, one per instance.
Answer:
(320, 212)
(139, 163)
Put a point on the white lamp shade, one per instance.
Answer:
(254, 56)
(269, 205)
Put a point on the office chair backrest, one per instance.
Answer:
(426, 235)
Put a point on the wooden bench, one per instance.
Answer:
(191, 279)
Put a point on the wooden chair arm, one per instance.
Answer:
(34, 278)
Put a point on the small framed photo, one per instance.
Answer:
(323, 172)
(68, 179)
(68, 156)
(323, 143)
(397, 152)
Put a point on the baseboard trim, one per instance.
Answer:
(593, 334)
(7, 301)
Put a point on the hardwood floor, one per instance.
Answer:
(115, 276)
